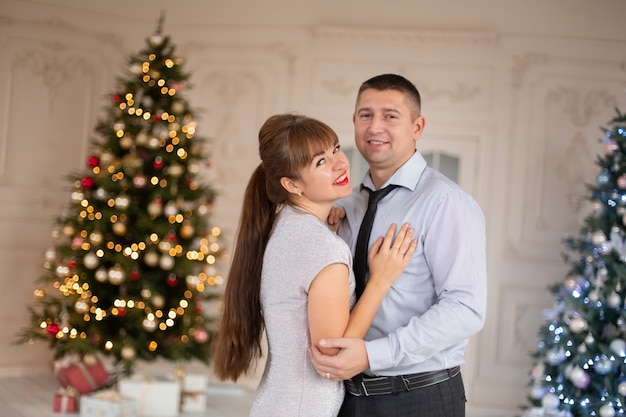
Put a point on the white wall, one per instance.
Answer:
(516, 89)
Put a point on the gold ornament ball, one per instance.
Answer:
(39, 293)
(119, 228)
(186, 230)
(126, 142)
(90, 359)
(96, 238)
(68, 230)
(158, 301)
(151, 258)
(128, 353)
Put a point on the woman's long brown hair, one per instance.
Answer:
(286, 144)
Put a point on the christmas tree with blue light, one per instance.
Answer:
(580, 361)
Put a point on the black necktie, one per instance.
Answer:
(362, 242)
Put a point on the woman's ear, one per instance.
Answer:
(290, 185)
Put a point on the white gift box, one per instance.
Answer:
(154, 396)
(194, 393)
(107, 403)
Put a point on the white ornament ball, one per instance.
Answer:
(81, 307)
(537, 392)
(51, 255)
(62, 271)
(619, 347)
(166, 262)
(607, 411)
(101, 275)
(91, 260)
(116, 275)
(578, 325)
(614, 300)
(577, 374)
(171, 209)
(621, 388)
(149, 325)
(122, 202)
(598, 238)
(550, 402)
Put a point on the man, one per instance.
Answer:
(408, 364)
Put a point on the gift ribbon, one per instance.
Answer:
(87, 375)
(66, 393)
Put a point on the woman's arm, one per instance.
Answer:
(329, 293)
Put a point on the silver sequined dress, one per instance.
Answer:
(300, 246)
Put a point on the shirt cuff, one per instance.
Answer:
(379, 354)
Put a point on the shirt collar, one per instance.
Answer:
(406, 176)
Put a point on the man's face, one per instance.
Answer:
(384, 130)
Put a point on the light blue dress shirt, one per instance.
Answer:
(425, 320)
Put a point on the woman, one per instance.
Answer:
(292, 276)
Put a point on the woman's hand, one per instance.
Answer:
(389, 256)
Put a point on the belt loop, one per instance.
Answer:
(364, 389)
(405, 383)
(360, 384)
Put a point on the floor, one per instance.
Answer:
(33, 396)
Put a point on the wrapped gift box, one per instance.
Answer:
(194, 393)
(154, 396)
(107, 403)
(83, 374)
(66, 401)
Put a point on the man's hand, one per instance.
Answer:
(351, 359)
(335, 217)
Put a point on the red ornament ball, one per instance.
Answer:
(87, 183)
(93, 161)
(134, 275)
(53, 329)
(201, 336)
(172, 281)
(158, 162)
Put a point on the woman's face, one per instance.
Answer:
(326, 178)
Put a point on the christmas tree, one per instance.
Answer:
(580, 367)
(134, 259)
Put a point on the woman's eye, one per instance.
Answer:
(337, 149)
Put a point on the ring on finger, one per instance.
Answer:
(327, 375)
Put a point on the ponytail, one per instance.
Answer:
(241, 328)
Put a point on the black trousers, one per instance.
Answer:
(446, 399)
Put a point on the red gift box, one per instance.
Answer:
(83, 375)
(66, 400)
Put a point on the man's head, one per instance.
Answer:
(395, 82)
(387, 124)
